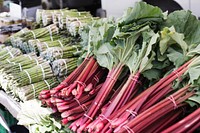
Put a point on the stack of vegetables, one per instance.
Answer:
(63, 67)
(152, 74)
(20, 76)
(8, 52)
(72, 20)
(24, 77)
(20, 39)
(56, 54)
(47, 17)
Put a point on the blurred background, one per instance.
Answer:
(101, 8)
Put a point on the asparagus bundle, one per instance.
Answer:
(20, 63)
(9, 52)
(32, 91)
(11, 67)
(42, 46)
(41, 32)
(62, 18)
(35, 74)
(32, 45)
(58, 13)
(50, 16)
(19, 33)
(63, 67)
(55, 53)
(73, 25)
(46, 17)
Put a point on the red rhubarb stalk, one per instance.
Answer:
(185, 124)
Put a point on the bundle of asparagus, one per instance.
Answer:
(75, 15)
(42, 46)
(41, 32)
(13, 66)
(9, 52)
(22, 62)
(31, 91)
(35, 74)
(49, 33)
(46, 17)
(54, 53)
(57, 13)
(73, 25)
(32, 45)
(63, 67)
(16, 35)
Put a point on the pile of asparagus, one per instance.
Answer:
(19, 73)
(72, 20)
(55, 53)
(8, 52)
(22, 39)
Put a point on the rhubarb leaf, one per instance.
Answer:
(186, 23)
(194, 73)
(194, 51)
(152, 74)
(176, 57)
(168, 37)
(146, 62)
(142, 12)
(194, 100)
(104, 56)
(125, 45)
(103, 50)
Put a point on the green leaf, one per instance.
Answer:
(194, 51)
(146, 61)
(104, 56)
(191, 103)
(152, 74)
(55, 123)
(176, 57)
(168, 37)
(132, 61)
(194, 100)
(160, 65)
(194, 73)
(140, 11)
(125, 45)
(186, 23)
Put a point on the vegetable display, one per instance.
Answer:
(137, 74)
(141, 47)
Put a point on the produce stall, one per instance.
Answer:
(138, 73)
